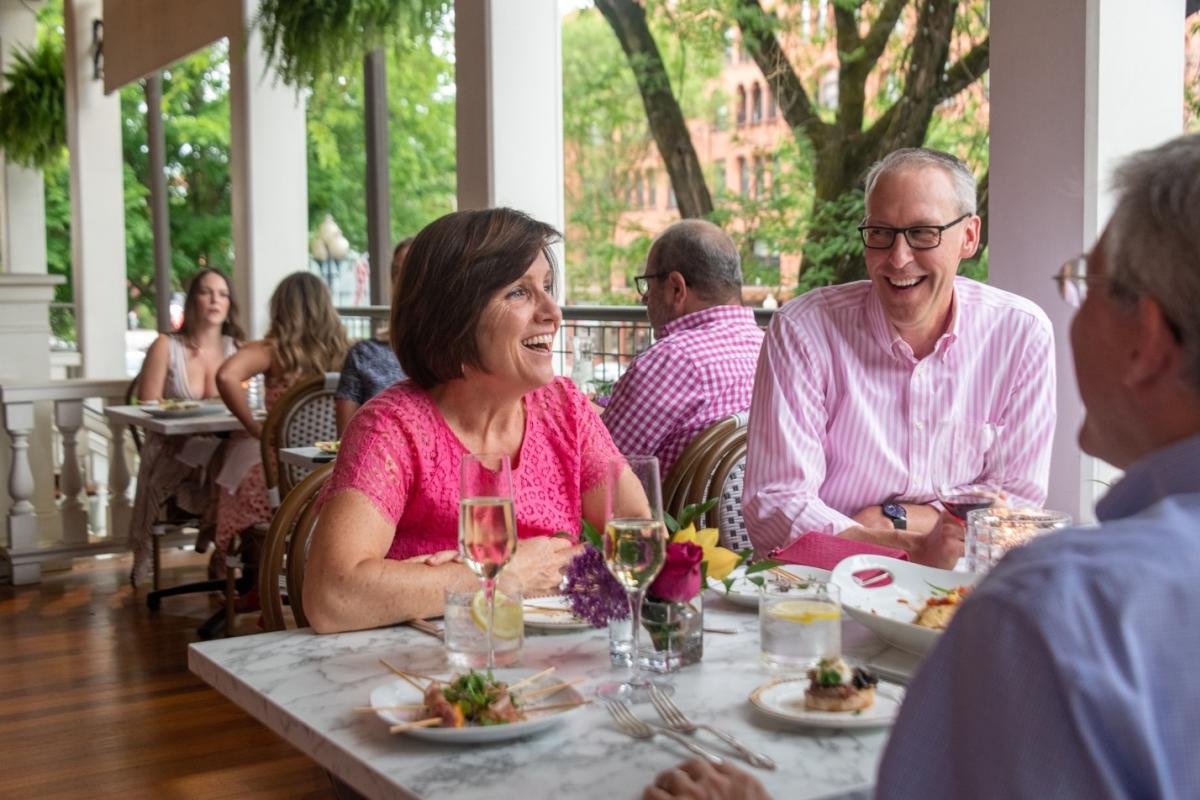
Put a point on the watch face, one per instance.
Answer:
(894, 511)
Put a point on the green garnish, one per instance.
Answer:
(473, 693)
(941, 590)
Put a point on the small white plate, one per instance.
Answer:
(200, 410)
(400, 692)
(744, 593)
(890, 608)
(551, 613)
(784, 700)
(328, 447)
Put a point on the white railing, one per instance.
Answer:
(40, 527)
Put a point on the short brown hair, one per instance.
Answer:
(455, 266)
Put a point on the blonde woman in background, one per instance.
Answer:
(305, 338)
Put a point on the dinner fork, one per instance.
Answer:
(677, 720)
(632, 726)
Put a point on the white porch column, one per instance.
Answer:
(1075, 85)
(22, 197)
(508, 63)
(269, 175)
(97, 200)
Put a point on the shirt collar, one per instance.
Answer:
(708, 316)
(1174, 469)
(891, 341)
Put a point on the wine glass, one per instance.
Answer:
(635, 543)
(487, 528)
(968, 466)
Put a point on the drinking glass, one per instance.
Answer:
(635, 543)
(487, 528)
(968, 466)
(799, 623)
(469, 636)
(992, 532)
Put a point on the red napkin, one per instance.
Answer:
(824, 551)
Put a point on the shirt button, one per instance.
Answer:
(919, 425)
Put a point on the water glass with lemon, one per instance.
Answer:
(800, 623)
(467, 623)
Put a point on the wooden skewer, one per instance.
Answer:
(406, 676)
(405, 707)
(556, 609)
(556, 706)
(432, 722)
(549, 689)
(530, 679)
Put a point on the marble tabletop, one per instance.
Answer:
(223, 422)
(304, 456)
(304, 687)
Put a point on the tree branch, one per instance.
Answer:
(881, 30)
(966, 70)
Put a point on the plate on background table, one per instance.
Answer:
(784, 700)
(401, 692)
(889, 608)
(743, 592)
(551, 613)
(187, 408)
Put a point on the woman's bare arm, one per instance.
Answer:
(153, 382)
(254, 358)
(343, 410)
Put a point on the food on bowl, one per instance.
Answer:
(834, 686)
(471, 699)
(941, 607)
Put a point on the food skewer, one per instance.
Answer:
(402, 707)
(548, 689)
(556, 706)
(410, 677)
(530, 679)
(432, 722)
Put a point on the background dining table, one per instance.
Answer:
(305, 687)
(217, 422)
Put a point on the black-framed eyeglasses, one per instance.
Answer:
(919, 237)
(642, 282)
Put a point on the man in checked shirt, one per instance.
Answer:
(701, 369)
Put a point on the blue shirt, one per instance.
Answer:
(370, 367)
(1072, 670)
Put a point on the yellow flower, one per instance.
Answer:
(721, 561)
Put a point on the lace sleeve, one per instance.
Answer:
(374, 460)
(596, 446)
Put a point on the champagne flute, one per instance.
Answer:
(635, 542)
(487, 528)
(968, 466)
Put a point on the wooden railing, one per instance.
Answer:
(45, 524)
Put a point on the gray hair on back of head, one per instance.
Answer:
(705, 256)
(921, 158)
(1153, 240)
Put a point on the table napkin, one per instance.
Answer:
(825, 551)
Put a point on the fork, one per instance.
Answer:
(677, 720)
(632, 726)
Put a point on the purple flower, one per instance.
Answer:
(595, 594)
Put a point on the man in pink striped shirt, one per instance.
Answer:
(854, 379)
(701, 369)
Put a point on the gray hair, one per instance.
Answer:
(921, 158)
(705, 256)
(1153, 240)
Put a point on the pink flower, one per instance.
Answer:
(679, 580)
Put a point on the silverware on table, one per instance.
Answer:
(677, 720)
(632, 726)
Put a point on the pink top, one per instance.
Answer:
(399, 452)
(700, 371)
(844, 415)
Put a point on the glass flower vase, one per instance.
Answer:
(672, 635)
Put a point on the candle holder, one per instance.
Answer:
(992, 532)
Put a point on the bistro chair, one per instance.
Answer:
(303, 415)
(285, 550)
(675, 486)
(727, 483)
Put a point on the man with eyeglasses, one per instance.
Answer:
(701, 368)
(1069, 671)
(854, 380)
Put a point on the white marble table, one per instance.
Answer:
(304, 687)
(305, 456)
(223, 422)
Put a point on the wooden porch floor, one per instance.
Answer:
(96, 700)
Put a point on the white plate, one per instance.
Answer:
(744, 593)
(400, 692)
(551, 613)
(889, 610)
(784, 700)
(201, 410)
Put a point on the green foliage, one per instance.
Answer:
(833, 251)
(307, 40)
(33, 117)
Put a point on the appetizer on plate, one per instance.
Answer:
(178, 405)
(327, 447)
(834, 686)
(939, 609)
(472, 699)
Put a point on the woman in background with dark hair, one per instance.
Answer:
(472, 321)
(183, 366)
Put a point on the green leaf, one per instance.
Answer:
(762, 566)
(672, 525)
(757, 580)
(592, 536)
(728, 584)
(691, 512)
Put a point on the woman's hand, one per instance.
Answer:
(539, 564)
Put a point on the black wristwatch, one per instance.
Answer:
(897, 513)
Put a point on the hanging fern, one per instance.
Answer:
(308, 39)
(33, 108)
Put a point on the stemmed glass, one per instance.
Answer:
(487, 528)
(968, 466)
(635, 542)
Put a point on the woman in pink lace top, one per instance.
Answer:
(472, 320)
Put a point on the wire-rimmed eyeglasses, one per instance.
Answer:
(1072, 279)
(919, 237)
(641, 283)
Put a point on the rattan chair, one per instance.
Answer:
(727, 483)
(303, 415)
(675, 486)
(281, 563)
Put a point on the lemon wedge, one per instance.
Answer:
(806, 612)
(509, 620)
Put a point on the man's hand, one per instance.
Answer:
(921, 518)
(702, 780)
(943, 546)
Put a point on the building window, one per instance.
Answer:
(718, 175)
(756, 108)
(651, 188)
(671, 201)
(744, 177)
(638, 194)
(741, 106)
(760, 185)
(772, 103)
